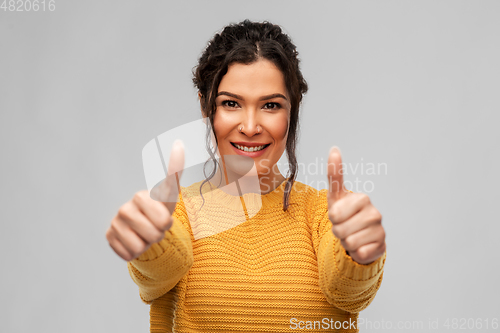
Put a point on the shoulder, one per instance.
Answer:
(306, 197)
(194, 189)
(304, 192)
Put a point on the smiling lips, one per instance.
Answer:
(252, 149)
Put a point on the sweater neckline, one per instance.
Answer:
(251, 200)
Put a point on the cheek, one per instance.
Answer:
(280, 130)
(223, 123)
(219, 126)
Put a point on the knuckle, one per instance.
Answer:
(122, 254)
(335, 232)
(376, 214)
(124, 211)
(331, 217)
(154, 237)
(166, 223)
(138, 197)
(364, 198)
(160, 214)
(333, 213)
(339, 231)
(109, 234)
(146, 238)
(127, 256)
(113, 228)
(336, 211)
(383, 248)
(349, 242)
(138, 248)
(382, 235)
(363, 254)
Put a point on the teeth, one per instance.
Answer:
(250, 149)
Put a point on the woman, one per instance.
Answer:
(304, 259)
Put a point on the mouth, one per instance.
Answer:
(250, 149)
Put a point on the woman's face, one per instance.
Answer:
(254, 98)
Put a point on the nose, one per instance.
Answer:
(250, 123)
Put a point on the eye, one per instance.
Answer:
(272, 106)
(230, 104)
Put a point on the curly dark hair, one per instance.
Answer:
(247, 42)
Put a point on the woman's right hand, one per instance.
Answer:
(143, 221)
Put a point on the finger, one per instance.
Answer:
(335, 176)
(344, 209)
(134, 244)
(154, 211)
(119, 249)
(176, 161)
(174, 170)
(143, 227)
(363, 219)
(363, 237)
(368, 253)
(168, 190)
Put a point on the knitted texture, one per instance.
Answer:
(257, 274)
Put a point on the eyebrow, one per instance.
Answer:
(261, 99)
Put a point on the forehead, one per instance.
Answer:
(253, 80)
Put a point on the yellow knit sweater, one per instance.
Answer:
(275, 272)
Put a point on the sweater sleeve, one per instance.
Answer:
(158, 270)
(346, 284)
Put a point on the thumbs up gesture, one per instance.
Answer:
(144, 219)
(356, 222)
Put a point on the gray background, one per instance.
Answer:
(412, 84)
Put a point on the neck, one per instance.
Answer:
(269, 184)
(236, 184)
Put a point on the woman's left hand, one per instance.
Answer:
(356, 222)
